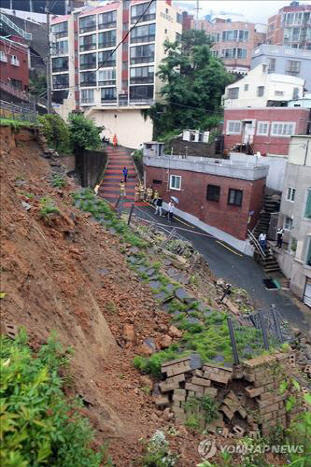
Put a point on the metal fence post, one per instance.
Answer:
(264, 331)
(276, 324)
(131, 212)
(233, 342)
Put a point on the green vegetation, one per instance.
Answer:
(15, 124)
(138, 159)
(157, 452)
(84, 134)
(47, 206)
(37, 85)
(56, 131)
(87, 201)
(200, 411)
(39, 426)
(58, 180)
(194, 82)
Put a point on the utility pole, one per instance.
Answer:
(48, 59)
(197, 15)
(306, 153)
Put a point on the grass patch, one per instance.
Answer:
(47, 207)
(17, 123)
(200, 411)
(58, 180)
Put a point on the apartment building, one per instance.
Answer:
(284, 61)
(295, 218)
(109, 86)
(291, 26)
(221, 197)
(233, 41)
(14, 63)
(57, 7)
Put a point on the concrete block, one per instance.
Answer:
(196, 389)
(201, 381)
(212, 392)
(231, 395)
(238, 431)
(162, 401)
(254, 392)
(229, 414)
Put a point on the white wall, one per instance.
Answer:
(129, 126)
(277, 167)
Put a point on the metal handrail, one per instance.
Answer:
(252, 237)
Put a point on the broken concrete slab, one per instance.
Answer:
(155, 284)
(181, 294)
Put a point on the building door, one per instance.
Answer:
(307, 293)
(248, 131)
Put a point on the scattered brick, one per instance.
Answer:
(253, 392)
(161, 401)
(242, 412)
(229, 414)
(192, 387)
(212, 392)
(238, 430)
(201, 381)
(233, 396)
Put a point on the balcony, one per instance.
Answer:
(111, 82)
(60, 86)
(107, 45)
(106, 63)
(84, 29)
(87, 66)
(108, 25)
(15, 61)
(108, 100)
(59, 69)
(141, 101)
(85, 47)
(86, 84)
(87, 100)
(149, 38)
(136, 60)
(60, 34)
(146, 17)
(142, 80)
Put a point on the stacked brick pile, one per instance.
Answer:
(256, 407)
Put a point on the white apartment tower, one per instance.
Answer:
(110, 86)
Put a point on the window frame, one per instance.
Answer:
(212, 195)
(286, 218)
(290, 194)
(233, 132)
(235, 203)
(171, 182)
(308, 253)
(260, 133)
(272, 132)
(260, 91)
(306, 205)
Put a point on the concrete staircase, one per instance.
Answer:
(109, 189)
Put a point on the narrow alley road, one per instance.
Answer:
(239, 270)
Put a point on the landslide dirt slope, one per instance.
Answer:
(53, 278)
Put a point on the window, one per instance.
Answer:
(272, 63)
(148, 14)
(175, 182)
(233, 93)
(88, 61)
(108, 95)
(291, 194)
(233, 127)
(106, 77)
(144, 74)
(107, 58)
(157, 182)
(3, 57)
(88, 23)
(107, 20)
(61, 81)
(213, 192)
(292, 67)
(308, 257)
(87, 96)
(88, 42)
(59, 64)
(283, 129)
(143, 33)
(88, 78)
(246, 86)
(60, 29)
(296, 93)
(14, 60)
(235, 197)
(141, 93)
(179, 18)
(241, 53)
(142, 54)
(308, 205)
(260, 91)
(279, 93)
(107, 39)
(288, 223)
(60, 48)
(263, 128)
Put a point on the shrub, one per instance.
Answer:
(84, 134)
(56, 131)
(158, 453)
(47, 207)
(39, 425)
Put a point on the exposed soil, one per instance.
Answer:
(67, 274)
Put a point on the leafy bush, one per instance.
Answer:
(39, 425)
(47, 207)
(200, 412)
(58, 180)
(84, 134)
(138, 159)
(158, 453)
(56, 131)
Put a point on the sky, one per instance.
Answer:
(256, 11)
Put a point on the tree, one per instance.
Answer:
(194, 82)
(38, 86)
(84, 134)
(56, 131)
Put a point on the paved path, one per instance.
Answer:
(239, 270)
(109, 189)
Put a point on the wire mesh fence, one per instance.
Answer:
(18, 112)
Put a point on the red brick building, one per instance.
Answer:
(220, 197)
(268, 129)
(14, 65)
(291, 26)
